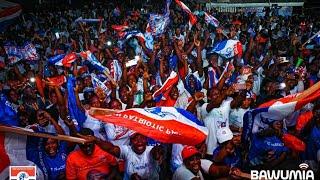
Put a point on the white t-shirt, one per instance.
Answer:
(182, 173)
(236, 117)
(142, 164)
(213, 120)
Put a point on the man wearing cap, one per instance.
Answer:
(226, 152)
(193, 164)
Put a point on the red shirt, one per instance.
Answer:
(78, 164)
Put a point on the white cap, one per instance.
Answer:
(224, 134)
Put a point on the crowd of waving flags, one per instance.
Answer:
(16, 53)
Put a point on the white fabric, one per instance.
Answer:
(176, 158)
(205, 165)
(142, 164)
(236, 117)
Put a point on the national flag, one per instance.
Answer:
(57, 80)
(228, 48)
(63, 60)
(56, 59)
(211, 20)
(74, 111)
(192, 17)
(213, 77)
(88, 55)
(163, 93)
(29, 52)
(158, 24)
(115, 70)
(17, 53)
(133, 33)
(119, 28)
(80, 19)
(164, 124)
(13, 153)
(14, 54)
(99, 84)
(260, 118)
(229, 67)
(8, 12)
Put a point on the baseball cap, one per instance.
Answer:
(189, 151)
(224, 134)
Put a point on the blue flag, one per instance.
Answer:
(74, 111)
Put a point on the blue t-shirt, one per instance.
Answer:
(261, 146)
(51, 167)
(231, 160)
(313, 144)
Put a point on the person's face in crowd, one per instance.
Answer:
(214, 60)
(178, 31)
(30, 93)
(270, 88)
(87, 81)
(180, 43)
(277, 125)
(192, 82)
(193, 163)
(124, 94)
(13, 96)
(115, 104)
(246, 103)
(51, 147)
(214, 94)
(174, 94)
(23, 120)
(120, 57)
(165, 65)
(42, 118)
(132, 80)
(87, 148)
(229, 147)
(94, 102)
(138, 143)
(53, 98)
(167, 50)
(236, 140)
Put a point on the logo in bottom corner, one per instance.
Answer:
(22, 173)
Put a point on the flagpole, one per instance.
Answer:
(310, 38)
(102, 111)
(307, 92)
(29, 132)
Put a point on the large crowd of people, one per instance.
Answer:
(275, 62)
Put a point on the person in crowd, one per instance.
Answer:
(121, 59)
(90, 160)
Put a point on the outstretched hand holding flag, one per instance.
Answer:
(192, 18)
(88, 55)
(211, 20)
